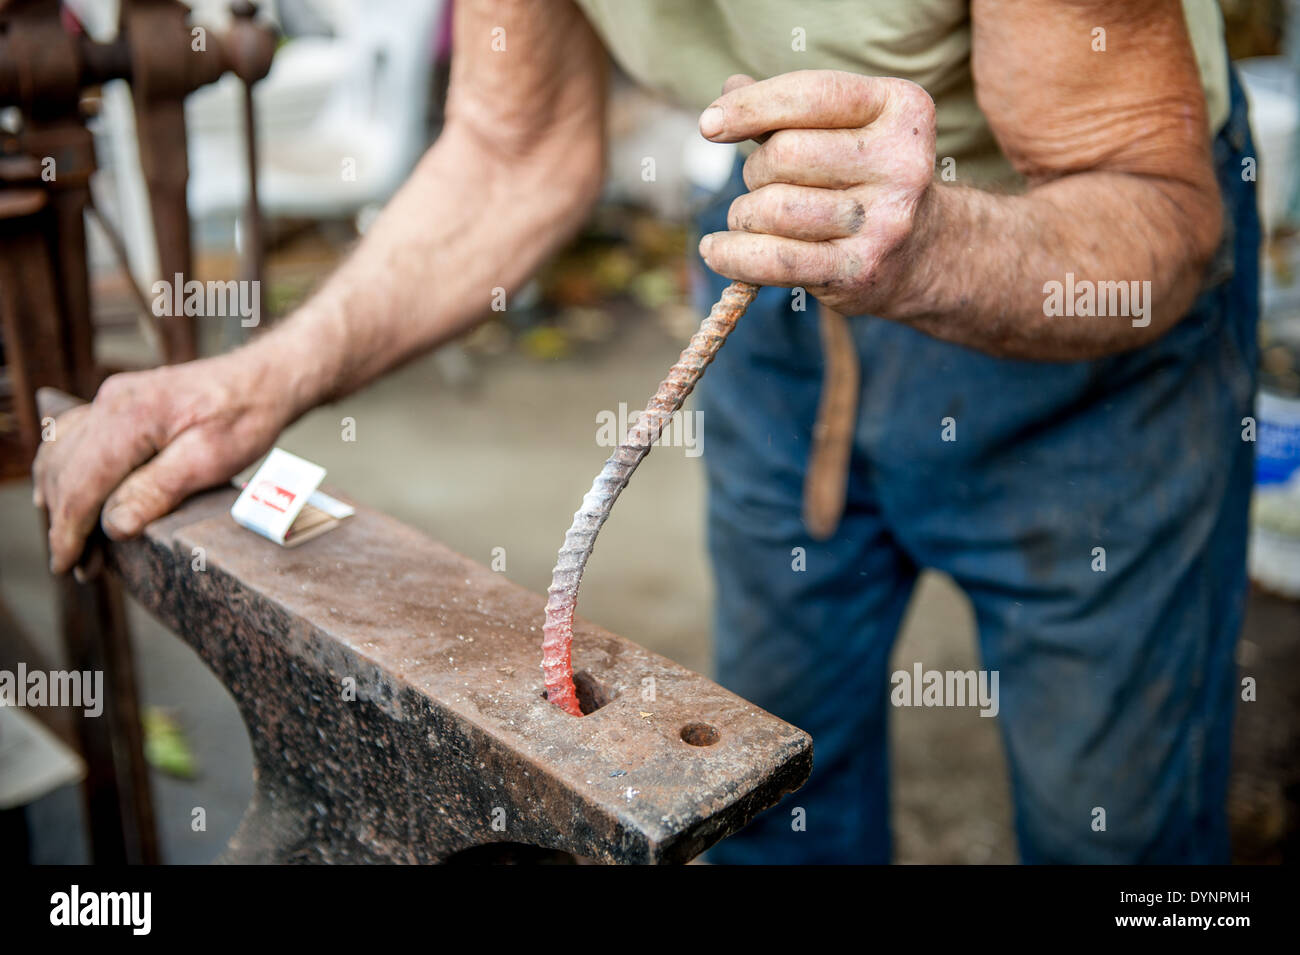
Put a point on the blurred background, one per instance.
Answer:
(352, 99)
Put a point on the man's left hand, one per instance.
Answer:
(837, 190)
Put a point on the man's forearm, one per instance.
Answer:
(843, 200)
(463, 225)
(981, 266)
(518, 164)
(514, 172)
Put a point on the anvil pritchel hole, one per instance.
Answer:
(700, 734)
(591, 695)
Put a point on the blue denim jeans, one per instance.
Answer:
(1117, 687)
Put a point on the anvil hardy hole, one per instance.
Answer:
(700, 734)
(591, 695)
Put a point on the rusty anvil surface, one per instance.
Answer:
(448, 732)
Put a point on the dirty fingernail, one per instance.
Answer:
(119, 522)
(711, 121)
(92, 562)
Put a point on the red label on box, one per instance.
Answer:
(272, 495)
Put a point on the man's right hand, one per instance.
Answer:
(514, 173)
(149, 440)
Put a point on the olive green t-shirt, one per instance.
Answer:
(685, 49)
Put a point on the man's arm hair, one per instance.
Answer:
(1115, 149)
(515, 171)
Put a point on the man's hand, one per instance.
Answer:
(1113, 147)
(149, 440)
(835, 190)
(513, 174)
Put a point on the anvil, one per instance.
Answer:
(392, 692)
